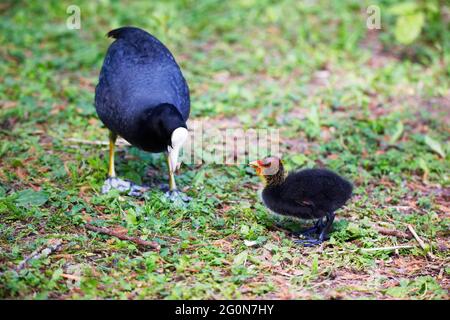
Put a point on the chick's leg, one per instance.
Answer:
(323, 229)
(313, 230)
(327, 226)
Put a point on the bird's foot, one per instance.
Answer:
(177, 197)
(308, 232)
(321, 228)
(114, 183)
(310, 242)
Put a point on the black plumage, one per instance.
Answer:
(308, 194)
(142, 95)
(305, 194)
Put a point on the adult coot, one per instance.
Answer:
(143, 97)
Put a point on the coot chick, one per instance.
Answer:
(305, 194)
(143, 97)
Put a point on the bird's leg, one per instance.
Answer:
(112, 145)
(115, 183)
(172, 183)
(323, 229)
(174, 194)
(326, 228)
(313, 230)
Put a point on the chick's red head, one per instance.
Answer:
(266, 167)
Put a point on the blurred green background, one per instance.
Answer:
(242, 38)
(371, 104)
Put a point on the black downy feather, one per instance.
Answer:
(308, 194)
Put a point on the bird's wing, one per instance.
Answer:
(141, 68)
(304, 189)
(305, 203)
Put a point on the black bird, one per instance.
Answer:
(143, 97)
(305, 194)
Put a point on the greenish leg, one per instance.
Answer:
(112, 145)
(172, 184)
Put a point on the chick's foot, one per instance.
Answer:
(315, 230)
(308, 242)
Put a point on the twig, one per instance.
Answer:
(122, 236)
(387, 248)
(420, 242)
(120, 142)
(441, 273)
(172, 239)
(390, 232)
(82, 141)
(70, 276)
(376, 249)
(283, 273)
(54, 245)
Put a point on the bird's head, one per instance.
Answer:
(270, 170)
(178, 138)
(164, 129)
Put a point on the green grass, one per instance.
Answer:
(311, 69)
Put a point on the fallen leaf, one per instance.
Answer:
(241, 258)
(250, 243)
(435, 146)
(398, 133)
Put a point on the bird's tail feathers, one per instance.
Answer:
(126, 32)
